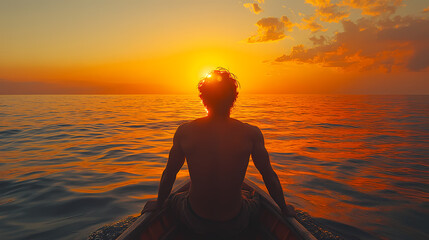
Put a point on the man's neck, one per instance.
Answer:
(218, 115)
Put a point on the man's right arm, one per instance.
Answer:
(261, 160)
(175, 162)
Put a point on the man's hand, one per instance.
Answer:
(150, 206)
(289, 211)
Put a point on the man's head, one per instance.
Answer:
(218, 90)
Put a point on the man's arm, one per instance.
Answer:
(175, 162)
(261, 160)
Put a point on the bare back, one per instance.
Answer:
(217, 149)
(217, 153)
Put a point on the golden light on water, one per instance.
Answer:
(330, 152)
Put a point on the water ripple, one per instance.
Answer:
(69, 164)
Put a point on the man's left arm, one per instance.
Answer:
(175, 162)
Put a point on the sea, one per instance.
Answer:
(70, 164)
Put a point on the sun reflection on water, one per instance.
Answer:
(358, 160)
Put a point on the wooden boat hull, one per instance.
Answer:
(163, 225)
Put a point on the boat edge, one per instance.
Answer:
(140, 221)
(302, 231)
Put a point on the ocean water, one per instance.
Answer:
(70, 164)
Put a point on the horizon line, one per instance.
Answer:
(117, 94)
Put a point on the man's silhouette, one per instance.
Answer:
(217, 149)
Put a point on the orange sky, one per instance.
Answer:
(273, 46)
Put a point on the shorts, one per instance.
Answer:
(181, 207)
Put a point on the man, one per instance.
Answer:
(217, 149)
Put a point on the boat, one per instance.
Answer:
(271, 225)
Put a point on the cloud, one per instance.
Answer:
(331, 13)
(327, 11)
(271, 29)
(374, 7)
(317, 2)
(400, 43)
(311, 24)
(334, 12)
(318, 41)
(253, 7)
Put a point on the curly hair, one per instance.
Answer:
(218, 90)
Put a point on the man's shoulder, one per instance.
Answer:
(186, 125)
(194, 122)
(248, 127)
(183, 126)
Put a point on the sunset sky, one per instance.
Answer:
(273, 46)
